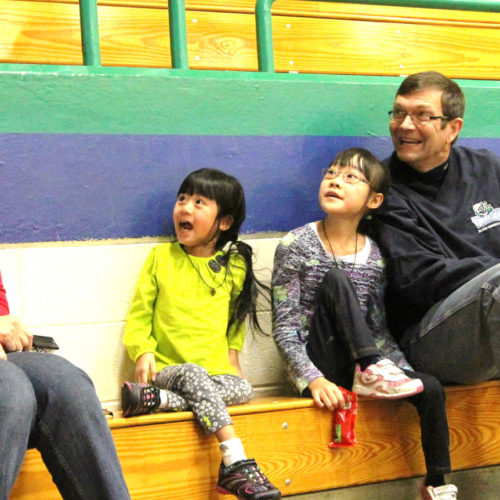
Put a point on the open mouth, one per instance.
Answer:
(332, 194)
(405, 141)
(187, 226)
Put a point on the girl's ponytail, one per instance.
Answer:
(246, 304)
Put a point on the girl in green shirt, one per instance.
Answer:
(186, 326)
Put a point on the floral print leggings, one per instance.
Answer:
(190, 387)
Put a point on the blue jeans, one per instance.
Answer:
(49, 404)
(458, 340)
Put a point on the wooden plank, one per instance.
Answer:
(382, 48)
(227, 41)
(134, 37)
(260, 405)
(312, 9)
(34, 481)
(474, 422)
(39, 32)
(289, 438)
(139, 37)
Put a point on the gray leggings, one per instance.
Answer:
(190, 387)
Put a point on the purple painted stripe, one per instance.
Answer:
(76, 187)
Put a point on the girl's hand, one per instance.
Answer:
(326, 394)
(144, 366)
(234, 360)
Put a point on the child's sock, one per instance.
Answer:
(434, 480)
(163, 399)
(232, 451)
(366, 361)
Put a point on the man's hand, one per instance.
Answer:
(13, 336)
(145, 366)
(326, 394)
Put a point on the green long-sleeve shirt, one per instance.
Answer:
(175, 316)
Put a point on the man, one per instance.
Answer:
(49, 404)
(440, 233)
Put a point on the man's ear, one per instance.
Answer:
(375, 200)
(226, 222)
(455, 127)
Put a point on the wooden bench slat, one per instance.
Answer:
(265, 404)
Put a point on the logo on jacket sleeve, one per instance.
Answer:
(485, 216)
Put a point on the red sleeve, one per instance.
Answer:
(4, 305)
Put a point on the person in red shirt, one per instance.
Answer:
(12, 333)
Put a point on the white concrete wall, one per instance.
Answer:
(80, 293)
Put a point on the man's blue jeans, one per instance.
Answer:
(458, 340)
(49, 404)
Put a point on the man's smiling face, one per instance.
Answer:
(423, 146)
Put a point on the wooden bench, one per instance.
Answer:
(165, 455)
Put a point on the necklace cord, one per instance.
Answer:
(212, 288)
(331, 249)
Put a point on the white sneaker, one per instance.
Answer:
(445, 492)
(384, 380)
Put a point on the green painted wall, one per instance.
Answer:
(75, 99)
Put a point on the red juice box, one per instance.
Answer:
(344, 421)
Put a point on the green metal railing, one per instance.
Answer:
(178, 35)
(90, 33)
(263, 20)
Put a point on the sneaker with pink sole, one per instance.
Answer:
(138, 399)
(246, 481)
(384, 380)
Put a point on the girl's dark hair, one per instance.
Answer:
(228, 193)
(376, 174)
(361, 159)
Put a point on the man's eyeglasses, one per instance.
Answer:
(349, 176)
(418, 118)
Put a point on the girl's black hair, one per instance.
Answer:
(376, 174)
(228, 193)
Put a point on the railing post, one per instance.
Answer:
(264, 27)
(178, 36)
(90, 33)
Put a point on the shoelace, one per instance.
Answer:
(254, 474)
(148, 396)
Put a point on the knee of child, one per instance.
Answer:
(195, 370)
(335, 280)
(334, 275)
